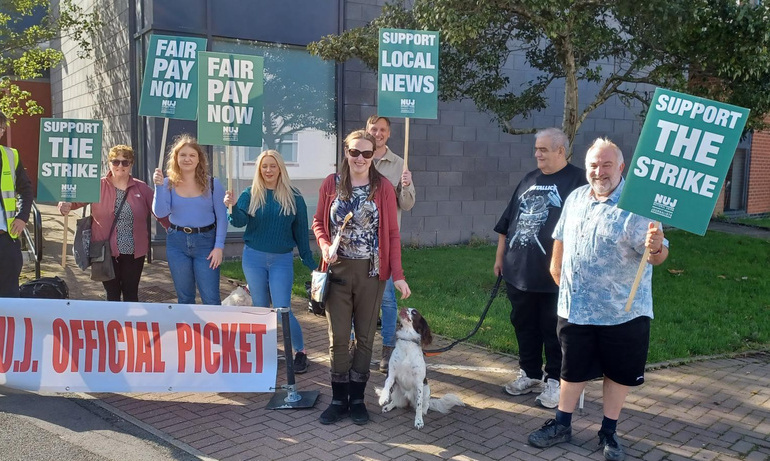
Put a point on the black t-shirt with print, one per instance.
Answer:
(528, 224)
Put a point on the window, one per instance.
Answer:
(299, 118)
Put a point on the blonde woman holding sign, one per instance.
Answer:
(275, 216)
(369, 253)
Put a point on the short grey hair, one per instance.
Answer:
(604, 143)
(557, 136)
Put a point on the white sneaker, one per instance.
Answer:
(522, 384)
(549, 398)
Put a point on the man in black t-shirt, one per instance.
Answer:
(523, 257)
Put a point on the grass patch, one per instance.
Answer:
(711, 296)
(757, 222)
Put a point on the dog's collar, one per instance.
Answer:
(412, 340)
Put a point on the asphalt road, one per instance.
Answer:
(55, 427)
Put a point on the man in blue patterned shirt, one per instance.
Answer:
(597, 250)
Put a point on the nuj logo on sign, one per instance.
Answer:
(407, 106)
(663, 205)
(230, 133)
(69, 190)
(168, 106)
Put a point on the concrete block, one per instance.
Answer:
(450, 178)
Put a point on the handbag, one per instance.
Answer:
(100, 253)
(319, 281)
(81, 246)
(318, 290)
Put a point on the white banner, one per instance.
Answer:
(96, 346)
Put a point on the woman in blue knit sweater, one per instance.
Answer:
(275, 217)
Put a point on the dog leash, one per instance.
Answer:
(492, 297)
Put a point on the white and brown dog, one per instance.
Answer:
(239, 297)
(406, 383)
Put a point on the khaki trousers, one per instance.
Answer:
(353, 297)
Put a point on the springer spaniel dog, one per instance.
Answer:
(406, 383)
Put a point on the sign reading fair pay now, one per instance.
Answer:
(685, 149)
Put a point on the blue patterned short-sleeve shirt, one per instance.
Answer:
(603, 246)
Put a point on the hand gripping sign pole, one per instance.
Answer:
(639, 273)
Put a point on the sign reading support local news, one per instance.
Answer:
(408, 74)
(70, 345)
(230, 99)
(171, 77)
(681, 160)
(70, 159)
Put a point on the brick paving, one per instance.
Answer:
(714, 409)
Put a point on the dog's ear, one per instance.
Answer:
(421, 326)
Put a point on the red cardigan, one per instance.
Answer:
(388, 234)
(139, 199)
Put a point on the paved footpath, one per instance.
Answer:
(714, 409)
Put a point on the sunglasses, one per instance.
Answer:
(120, 162)
(355, 153)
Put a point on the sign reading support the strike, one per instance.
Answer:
(89, 346)
(230, 99)
(70, 159)
(408, 73)
(681, 160)
(171, 77)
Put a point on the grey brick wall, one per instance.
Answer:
(99, 87)
(464, 167)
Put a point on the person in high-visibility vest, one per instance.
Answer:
(16, 204)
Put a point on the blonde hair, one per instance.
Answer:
(604, 143)
(127, 152)
(172, 166)
(284, 192)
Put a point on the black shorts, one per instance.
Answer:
(618, 352)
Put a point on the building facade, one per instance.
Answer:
(465, 168)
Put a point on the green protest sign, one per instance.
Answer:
(230, 99)
(681, 160)
(408, 74)
(170, 82)
(70, 159)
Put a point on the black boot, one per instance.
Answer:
(339, 406)
(358, 412)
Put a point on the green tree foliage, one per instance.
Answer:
(27, 28)
(712, 48)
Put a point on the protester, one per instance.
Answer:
(369, 253)
(523, 256)
(194, 204)
(130, 241)
(598, 248)
(15, 183)
(391, 166)
(275, 216)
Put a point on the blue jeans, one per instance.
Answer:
(270, 277)
(186, 255)
(389, 314)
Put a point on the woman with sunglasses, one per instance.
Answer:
(194, 204)
(369, 253)
(129, 241)
(275, 216)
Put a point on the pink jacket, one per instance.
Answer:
(139, 199)
(388, 234)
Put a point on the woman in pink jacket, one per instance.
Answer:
(369, 253)
(130, 240)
